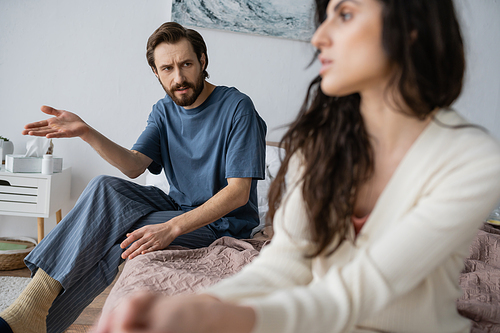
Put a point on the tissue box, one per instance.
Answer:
(20, 163)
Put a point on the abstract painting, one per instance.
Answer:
(291, 19)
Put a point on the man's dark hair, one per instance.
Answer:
(172, 33)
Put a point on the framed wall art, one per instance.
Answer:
(292, 19)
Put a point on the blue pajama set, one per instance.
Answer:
(198, 149)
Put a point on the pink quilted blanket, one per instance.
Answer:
(178, 270)
(480, 281)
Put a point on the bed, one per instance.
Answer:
(178, 270)
(480, 281)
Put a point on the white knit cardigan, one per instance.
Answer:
(401, 273)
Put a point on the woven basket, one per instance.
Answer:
(13, 259)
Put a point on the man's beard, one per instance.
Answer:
(186, 99)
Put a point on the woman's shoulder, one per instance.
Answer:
(452, 132)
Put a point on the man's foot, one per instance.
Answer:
(29, 311)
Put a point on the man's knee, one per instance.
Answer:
(105, 184)
(104, 180)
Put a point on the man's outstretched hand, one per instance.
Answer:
(64, 124)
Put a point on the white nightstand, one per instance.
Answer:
(34, 194)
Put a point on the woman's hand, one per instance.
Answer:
(149, 238)
(147, 312)
(64, 124)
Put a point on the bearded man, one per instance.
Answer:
(209, 140)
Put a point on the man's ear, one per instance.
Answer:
(154, 71)
(203, 62)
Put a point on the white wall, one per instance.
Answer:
(88, 57)
(480, 99)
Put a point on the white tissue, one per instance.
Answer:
(37, 147)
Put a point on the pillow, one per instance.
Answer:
(274, 156)
(159, 181)
(273, 162)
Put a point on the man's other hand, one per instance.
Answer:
(149, 238)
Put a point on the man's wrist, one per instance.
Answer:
(176, 225)
(87, 135)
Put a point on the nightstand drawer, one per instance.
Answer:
(19, 194)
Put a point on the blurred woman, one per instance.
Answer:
(385, 188)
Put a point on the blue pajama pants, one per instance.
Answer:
(83, 251)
